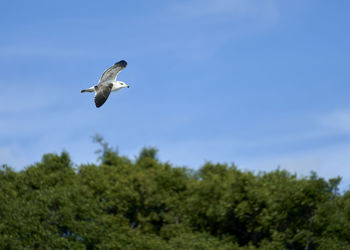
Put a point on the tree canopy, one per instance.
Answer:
(143, 203)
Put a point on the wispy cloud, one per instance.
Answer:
(11, 155)
(337, 121)
(327, 162)
(27, 96)
(212, 24)
(199, 28)
(233, 8)
(24, 50)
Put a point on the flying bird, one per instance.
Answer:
(108, 83)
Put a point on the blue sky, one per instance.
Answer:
(261, 83)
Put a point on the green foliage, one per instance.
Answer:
(147, 204)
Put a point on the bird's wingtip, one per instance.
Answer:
(122, 63)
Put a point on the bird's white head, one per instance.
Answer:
(122, 84)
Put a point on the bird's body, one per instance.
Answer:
(108, 83)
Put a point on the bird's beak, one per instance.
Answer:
(128, 86)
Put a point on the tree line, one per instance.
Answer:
(143, 203)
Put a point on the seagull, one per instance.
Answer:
(108, 83)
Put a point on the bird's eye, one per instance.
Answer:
(122, 83)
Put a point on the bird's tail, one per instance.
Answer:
(86, 90)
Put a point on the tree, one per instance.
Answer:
(147, 204)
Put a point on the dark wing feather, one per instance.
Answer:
(112, 72)
(102, 94)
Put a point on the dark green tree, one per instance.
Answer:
(147, 204)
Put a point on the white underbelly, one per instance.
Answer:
(114, 88)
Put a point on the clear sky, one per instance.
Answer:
(261, 83)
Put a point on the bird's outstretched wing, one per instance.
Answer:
(112, 72)
(102, 94)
